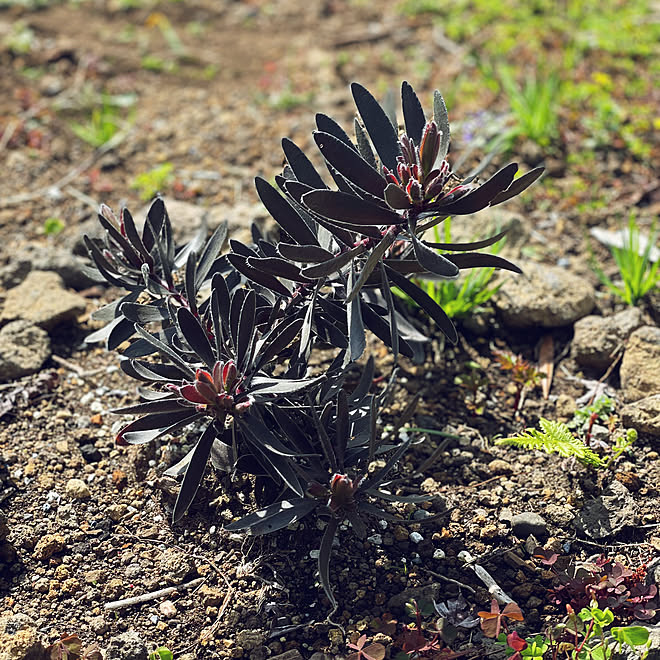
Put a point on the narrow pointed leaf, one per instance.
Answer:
(350, 164)
(194, 473)
(366, 381)
(426, 303)
(332, 265)
(278, 267)
(283, 335)
(481, 260)
(121, 331)
(382, 329)
(441, 118)
(371, 263)
(301, 165)
(387, 295)
(166, 350)
(379, 476)
(143, 313)
(381, 131)
(196, 336)
(413, 114)
(466, 247)
(363, 145)
(284, 214)
(211, 253)
(431, 260)
(325, 550)
(274, 517)
(519, 184)
(263, 385)
(329, 125)
(348, 208)
(245, 330)
(356, 338)
(481, 197)
(157, 406)
(153, 426)
(268, 281)
(306, 254)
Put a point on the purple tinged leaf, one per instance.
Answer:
(350, 209)
(279, 267)
(359, 528)
(160, 405)
(481, 197)
(196, 336)
(153, 426)
(268, 281)
(206, 392)
(325, 550)
(284, 214)
(134, 238)
(405, 266)
(151, 371)
(143, 313)
(301, 165)
(371, 263)
(356, 338)
(413, 114)
(283, 334)
(191, 393)
(165, 350)
(246, 330)
(307, 254)
(194, 473)
(396, 198)
(481, 260)
(210, 253)
(350, 164)
(429, 148)
(426, 303)
(518, 185)
(120, 332)
(432, 260)
(394, 331)
(441, 118)
(333, 265)
(380, 129)
(329, 125)
(363, 145)
(261, 385)
(274, 517)
(466, 247)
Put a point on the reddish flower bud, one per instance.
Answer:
(207, 392)
(430, 146)
(203, 376)
(190, 393)
(342, 490)
(217, 376)
(229, 374)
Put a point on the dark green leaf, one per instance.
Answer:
(481, 260)
(518, 185)
(301, 165)
(325, 550)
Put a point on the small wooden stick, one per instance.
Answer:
(494, 589)
(143, 598)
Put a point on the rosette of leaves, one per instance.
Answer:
(146, 265)
(369, 231)
(343, 442)
(216, 366)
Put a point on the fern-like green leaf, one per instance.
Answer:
(554, 437)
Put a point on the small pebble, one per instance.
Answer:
(77, 489)
(416, 537)
(438, 553)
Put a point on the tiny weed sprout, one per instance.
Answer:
(638, 272)
(225, 345)
(161, 653)
(53, 226)
(152, 182)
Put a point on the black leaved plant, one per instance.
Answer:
(223, 342)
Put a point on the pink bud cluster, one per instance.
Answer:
(215, 391)
(416, 173)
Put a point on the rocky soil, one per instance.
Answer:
(84, 523)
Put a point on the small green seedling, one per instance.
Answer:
(639, 274)
(151, 182)
(161, 653)
(53, 226)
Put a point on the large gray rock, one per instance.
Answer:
(42, 299)
(597, 337)
(640, 367)
(546, 296)
(127, 646)
(23, 349)
(643, 415)
(68, 266)
(608, 514)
